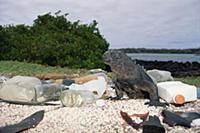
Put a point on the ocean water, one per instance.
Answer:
(165, 57)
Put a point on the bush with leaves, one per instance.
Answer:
(54, 40)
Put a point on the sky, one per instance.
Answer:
(123, 23)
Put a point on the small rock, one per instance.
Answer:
(100, 103)
(196, 122)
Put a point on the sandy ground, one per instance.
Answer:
(90, 118)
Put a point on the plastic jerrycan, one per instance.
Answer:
(177, 92)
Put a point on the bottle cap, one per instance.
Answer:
(179, 99)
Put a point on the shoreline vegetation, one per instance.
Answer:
(165, 51)
(54, 40)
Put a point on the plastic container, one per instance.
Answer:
(76, 98)
(160, 75)
(19, 89)
(45, 92)
(97, 86)
(177, 92)
(198, 93)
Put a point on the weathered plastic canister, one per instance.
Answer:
(177, 92)
(97, 86)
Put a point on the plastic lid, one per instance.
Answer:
(179, 99)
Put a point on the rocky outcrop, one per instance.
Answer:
(178, 69)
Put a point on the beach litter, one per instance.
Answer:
(30, 122)
(88, 91)
(160, 75)
(76, 98)
(177, 92)
(153, 125)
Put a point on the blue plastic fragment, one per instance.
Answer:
(198, 93)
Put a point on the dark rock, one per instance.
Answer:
(178, 69)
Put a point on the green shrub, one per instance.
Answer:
(54, 40)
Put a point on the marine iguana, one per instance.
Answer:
(131, 78)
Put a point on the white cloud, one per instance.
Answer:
(129, 23)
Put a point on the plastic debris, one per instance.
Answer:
(29, 90)
(153, 125)
(76, 98)
(177, 92)
(19, 89)
(190, 116)
(160, 75)
(46, 92)
(97, 87)
(172, 119)
(131, 122)
(29, 122)
(198, 93)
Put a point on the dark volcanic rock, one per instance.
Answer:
(177, 69)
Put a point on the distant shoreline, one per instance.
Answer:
(180, 57)
(170, 51)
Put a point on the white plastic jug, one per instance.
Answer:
(97, 86)
(177, 92)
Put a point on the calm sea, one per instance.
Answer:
(165, 57)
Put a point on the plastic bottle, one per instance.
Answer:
(76, 98)
(177, 92)
(45, 92)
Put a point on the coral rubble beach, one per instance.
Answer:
(90, 118)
